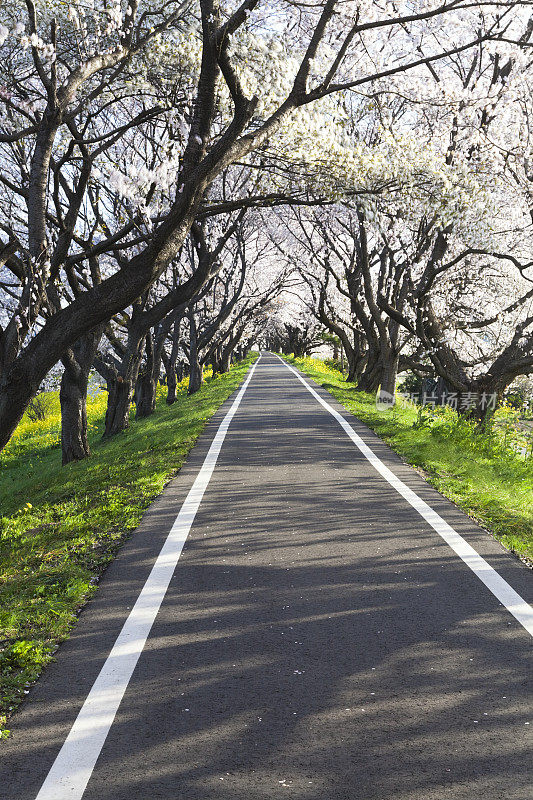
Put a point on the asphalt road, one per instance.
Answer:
(318, 639)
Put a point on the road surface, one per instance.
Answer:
(319, 639)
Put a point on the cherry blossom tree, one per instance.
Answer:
(252, 77)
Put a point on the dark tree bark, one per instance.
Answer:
(117, 416)
(225, 361)
(172, 383)
(129, 378)
(121, 384)
(73, 400)
(516, 359)
(196, 377)
(73, 397)
(170, 364)
(196, 371)
(155, 354)
(352, 348)
(388, 377)
(173, 376)
(145, 392)
(216, 360)
(370, 378)
(226, 350)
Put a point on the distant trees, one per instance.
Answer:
(422, 301)
(301, 335)
(428, 266)
(400, 303)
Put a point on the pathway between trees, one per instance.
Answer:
(318, 640)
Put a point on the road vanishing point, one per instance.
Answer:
(299, 615)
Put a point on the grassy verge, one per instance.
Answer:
(482, 473)
(61, 526)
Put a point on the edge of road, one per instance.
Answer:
(101, 619)
(75, 762)
(516, 572)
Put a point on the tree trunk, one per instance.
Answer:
(15, 395)
(73, 401)
(170, 364)
(73, 397)
(147, 382)
(196, 377)
(356, 359)
(145, 395)
(370, 379)
(225, 356)
(388, 379)
(174, 374)
(225, 362)
(172, 383)
(353, 370)
(117, 416)
(216, 360)
(121, 387)
(196, 372)
(482, 397)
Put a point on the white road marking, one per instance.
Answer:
(70, 772)
(499, 587)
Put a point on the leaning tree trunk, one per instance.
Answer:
(354, 362)
(356, 356)
(156, 356)
(73, 397)
(225, 359)
(354, 368)
(482, 397)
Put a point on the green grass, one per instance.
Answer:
(481, 473)
(61, 526)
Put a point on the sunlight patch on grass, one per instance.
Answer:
(61, 526)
